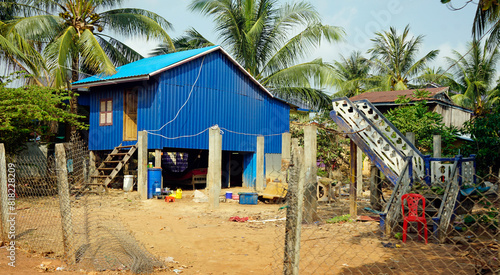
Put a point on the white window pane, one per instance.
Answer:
(110, 105)
(103, 106)
(102, 118)
(109, 118)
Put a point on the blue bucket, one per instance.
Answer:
(154, 182)
(229, 195)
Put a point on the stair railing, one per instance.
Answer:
(397, 138)
(448, 202)
(392, 209)
(370, 133)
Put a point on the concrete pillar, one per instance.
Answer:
(214, 166)
(157, 158)
(436, 146)
(142, 164)
(259, 185)
(158, 163)
(285, 154)
(411, 137)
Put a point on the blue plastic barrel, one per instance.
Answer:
(154, 182)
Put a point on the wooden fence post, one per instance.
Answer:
(295, 201)
(64, 203)
(92, 166)
(142, 163)
(359, 172)
(291, 212)
(353, 209)
(310, 166)
(3, 195)
(214, 166)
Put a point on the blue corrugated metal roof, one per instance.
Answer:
(145, 66)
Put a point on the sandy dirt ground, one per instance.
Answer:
(192, 239)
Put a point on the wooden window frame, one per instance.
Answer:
(105, 112)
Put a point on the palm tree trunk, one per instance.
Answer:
(73, 102)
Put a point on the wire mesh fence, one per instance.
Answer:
(330, 231)
(59, 216)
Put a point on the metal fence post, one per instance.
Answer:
(64, 203)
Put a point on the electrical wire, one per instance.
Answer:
(189, 96)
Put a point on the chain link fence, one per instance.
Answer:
(329, 231)
(59, 216)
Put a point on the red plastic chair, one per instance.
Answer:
(413, 216)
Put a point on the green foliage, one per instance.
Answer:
(25, 112)
(417, 118)
(269, 41)
(331, 145)
(474, 73)
(489, 218)
(395, 56)
(75, 36)
(322, 173)
(340, 219)
(485, 132)
(353, 75)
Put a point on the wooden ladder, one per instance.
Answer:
(112, 165)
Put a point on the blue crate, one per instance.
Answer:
(248, 198)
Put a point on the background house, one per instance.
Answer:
(176, 98)
(438, 101)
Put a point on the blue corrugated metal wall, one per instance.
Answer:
(223, 95)
(249, 169)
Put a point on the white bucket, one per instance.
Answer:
(128, 182)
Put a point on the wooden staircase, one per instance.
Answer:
(111, 166)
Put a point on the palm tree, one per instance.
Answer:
(192, 39)
(354, 75)
(487, 18)
(258, 33)
(395, 57)
(437, 76)
(71, 35)
(475, 72)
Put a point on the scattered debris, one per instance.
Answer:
(269, 220)
(238, 219)
(390, 245)
(199, 196)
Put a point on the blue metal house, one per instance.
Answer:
(177, 97)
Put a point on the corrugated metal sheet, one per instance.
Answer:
(249, 169)
(145, 66)
(223, 95)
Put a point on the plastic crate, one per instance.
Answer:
(248, 198)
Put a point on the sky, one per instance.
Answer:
(442, 28)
